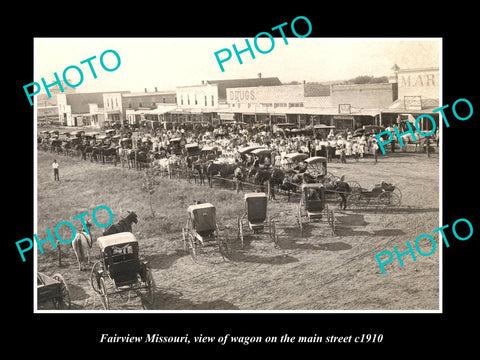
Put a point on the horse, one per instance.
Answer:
(341, 187)
(223, 169)
(82, 243)
(277, 176)
(124, 225)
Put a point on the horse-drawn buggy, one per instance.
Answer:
(292, 161)
(53, 290)
(201, 227)
(381, 196)
(313, 206)
(208, 152)
(263, 156)
(175, 146)
(255, 217)
(120, 269)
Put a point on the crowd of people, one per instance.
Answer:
(335, 146)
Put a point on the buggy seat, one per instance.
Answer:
(125, 272)
(314, 206)
(203, 218)
(256, 207)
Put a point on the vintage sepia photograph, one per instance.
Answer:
(269, 174)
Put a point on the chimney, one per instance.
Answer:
(259, 75)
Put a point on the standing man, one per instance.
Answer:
(375, 148)
(55, 171)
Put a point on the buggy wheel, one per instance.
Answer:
(395, 198)
(62, 302)
(273, 233)
(383, 200)
(184, 238)
(354, 200)
(190, 246)
(354, 185)
(95, 276)
(240, 232)
(150, 283)
(300, 224)
(103, 294)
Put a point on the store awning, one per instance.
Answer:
(159, 111)
(428, 105)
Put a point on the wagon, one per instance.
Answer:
(201, 228)
(53, 290)
(255, 216)
(381, 195)
(313, 206)
(120, 269)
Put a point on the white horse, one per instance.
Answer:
(82, 243)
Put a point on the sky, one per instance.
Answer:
(166, 63)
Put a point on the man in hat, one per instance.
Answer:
(55, 171)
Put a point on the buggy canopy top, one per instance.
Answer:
(115, 240)
(261, 152)
(294, 157)
(316, 160)
(249, 149)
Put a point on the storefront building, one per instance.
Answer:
(418, 93)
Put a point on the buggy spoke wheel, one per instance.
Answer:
(240, 232)
(300, 225)
(191, 247)
(384, 200)
(150, 283)
(184, 240)
(103, 294)
(396, 198)
(95, 276)
(62, 302)
(354, 200)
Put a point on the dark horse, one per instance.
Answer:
(124, 225)
(224, 170)
(342, 188)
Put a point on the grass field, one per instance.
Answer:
(316, 271)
